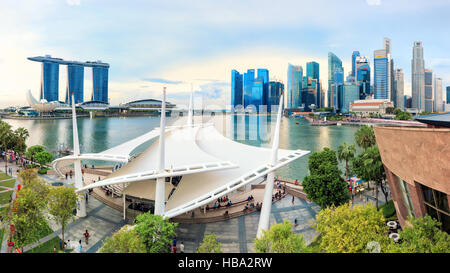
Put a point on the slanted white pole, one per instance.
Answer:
(190, 121)
(81, 203)
(160, 182)
(264, 217)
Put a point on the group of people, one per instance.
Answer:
(72, 245)
(277, 196)
(173, 247)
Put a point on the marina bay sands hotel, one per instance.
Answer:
(75, 79)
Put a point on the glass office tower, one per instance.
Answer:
(429, 90)
(363, 76)
(350, 93)
(294, 86)
(263, 75)
(237, 86)
(249, 78)
(337, 88)
(275, 91)
(100, 83)
(50, 81)
(75, 79)
(333, 63)
(447, 94)
(312, 70)
(257, 94)
(381, 71)
(355, 55)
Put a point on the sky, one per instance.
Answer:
(195, 44)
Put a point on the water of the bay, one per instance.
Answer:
(99, 134)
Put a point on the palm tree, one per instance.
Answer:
(346, 153)
(365, 137)
(21, 134)
(5, 139)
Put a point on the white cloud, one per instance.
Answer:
(373, 2)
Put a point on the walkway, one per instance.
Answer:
(238, 234)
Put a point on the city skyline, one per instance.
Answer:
(150, 48)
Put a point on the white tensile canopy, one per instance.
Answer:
(210, 164)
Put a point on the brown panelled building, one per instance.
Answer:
(417, 164)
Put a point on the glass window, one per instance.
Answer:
(406, 196)
(436, 204)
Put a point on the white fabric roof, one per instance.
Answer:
(211, 165)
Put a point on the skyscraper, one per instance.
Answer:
(337, 88)
(312, 70)
(257, 99)
(309, 93)
(237, 85)
(355, 55)
(263, 75)
(294, 86)
(75, 80)
(398, 93)
(333, 63)
(438, 102)
(429, 90)
(418, 77)
(50, 81)
(381, 70)
(100, 83)
(350, 93)
(387, 45)
(276, 88)
(362, 76)
(249, 78)
(448, 95)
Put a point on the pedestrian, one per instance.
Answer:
(293, 200)
(174, 249)
(54, 249)
(174, 241)
(79, 246)
(86, 196)
(86, 236)
(60, 244)
(66, 176)
(295, 222)
(181, 247)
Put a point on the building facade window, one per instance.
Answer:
(436, 204)
(406, 196)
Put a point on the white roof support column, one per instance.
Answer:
(190, 120)
(267, 201)
(81, 203)
(160, 182)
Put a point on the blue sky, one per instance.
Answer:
(179, 44)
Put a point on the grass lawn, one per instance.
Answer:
(47, 247)
(4, 197)
(4, 176)
(9, 184)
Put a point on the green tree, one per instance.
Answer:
(6, 139)
(424, 236)
(325, 185)
(210, 245)
(33, 150)
(62, 203)
(403, 116)
(365, 137)
(125, 240)
(350, 230)
(43, 157)
(397, 111)
(27, 176)
(155, 232)
(346, 153)
(27, 214)
(280, 239)
(368, 166)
